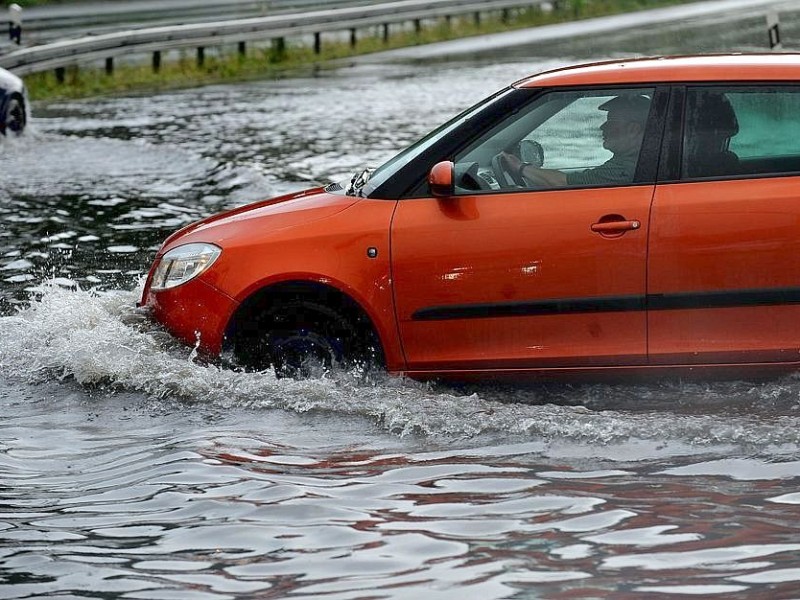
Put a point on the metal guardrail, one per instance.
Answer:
(45, 23)
(200, 35)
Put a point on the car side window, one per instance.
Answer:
(741, 131)
(561, 139)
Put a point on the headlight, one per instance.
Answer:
(183, 263)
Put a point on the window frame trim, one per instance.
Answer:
(413, 178)
(670, 165)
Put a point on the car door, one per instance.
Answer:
(723, 274)
(505, 275)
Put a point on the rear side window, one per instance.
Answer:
(741, 131)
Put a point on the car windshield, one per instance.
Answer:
(385, 171)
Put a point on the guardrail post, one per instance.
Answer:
(109, 66)
(201, 56)
(774, 31)
(317, 42)
(477, 18)
(242, 49)
(156, 61)
(353, 38)
(15, 23)
(385, 33)
(417, 26)
(61, 73)
(278, 49)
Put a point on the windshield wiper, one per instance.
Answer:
(358, 181)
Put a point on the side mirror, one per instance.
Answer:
(440, 179)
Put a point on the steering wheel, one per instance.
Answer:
(505, 177)
(468, 177)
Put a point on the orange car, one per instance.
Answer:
(640, 214)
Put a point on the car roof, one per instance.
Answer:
(717, 67)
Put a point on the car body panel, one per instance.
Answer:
(10, 82)
(196, 313)
(723, 274)
(311, 237)
(722, 68)
(515, 280)
(245, 224)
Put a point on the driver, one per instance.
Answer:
(622, 136)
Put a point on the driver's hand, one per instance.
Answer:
(513, 162)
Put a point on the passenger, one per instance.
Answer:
(622, 133)
(711, 123)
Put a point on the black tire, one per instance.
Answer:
(16, 117)
(304, 339)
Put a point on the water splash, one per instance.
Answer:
(99, 338)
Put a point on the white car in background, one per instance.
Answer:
(13, 104)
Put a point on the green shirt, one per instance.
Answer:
(618, 169)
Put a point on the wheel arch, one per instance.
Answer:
(253, 315)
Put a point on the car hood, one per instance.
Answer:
(262, 218)
(10, 82)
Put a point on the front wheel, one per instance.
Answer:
(305, 339)
(304, 352)
(15, 119)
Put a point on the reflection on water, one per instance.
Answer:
(137, 498)
(160, 474)
(94, 210)
(128, 469)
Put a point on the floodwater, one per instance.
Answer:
(129, 470)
